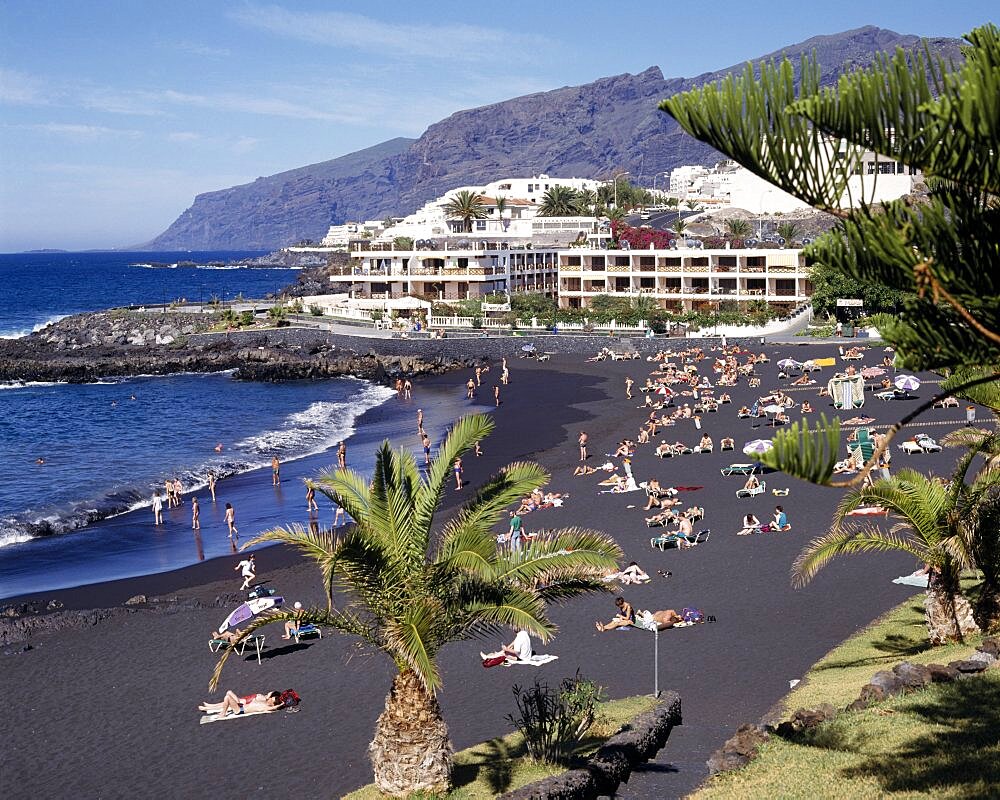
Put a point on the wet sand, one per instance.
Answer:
(110, 711)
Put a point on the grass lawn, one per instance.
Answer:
(500, 765)
(942, 742)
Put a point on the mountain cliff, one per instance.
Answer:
(579, 131)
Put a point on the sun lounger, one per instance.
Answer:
(738, 469)
(306, 630)
(927, 444)
(910, 447)
(743, 493)
(888, 394)
(256, 642)
(536, 660)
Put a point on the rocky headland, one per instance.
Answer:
(88, 347)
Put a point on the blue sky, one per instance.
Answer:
(113, 115)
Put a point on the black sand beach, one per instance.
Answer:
(110, 710)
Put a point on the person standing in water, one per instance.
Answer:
(342, 455)
(195, 515)
(211, 485)
(231, 521)
(275, 471)
(157, 509)
(407, 389)
(426, 441)
(311, 504)
(420, 421)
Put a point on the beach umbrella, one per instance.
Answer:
(789, 363)
(907, 383)
(248, 610)
(757, 446)
(528, 348)
(872, 372)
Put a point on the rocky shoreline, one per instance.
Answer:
(119, 342)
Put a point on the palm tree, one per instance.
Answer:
(692, 205)
(501, 203)
(672, 202)
(679, 225)
(738, 229)
(588, 200)
(408, 591)
(466, 206)
(560, 201)
(930, 523)
(789, 231)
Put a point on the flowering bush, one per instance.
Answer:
(641, 238)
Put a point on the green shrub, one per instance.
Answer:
(553, 722)
(316, 311)
(277, 311)
(246, 318)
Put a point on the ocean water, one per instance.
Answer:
(39, 288)
(83, 515)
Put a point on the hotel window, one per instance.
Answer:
(480, 224)
(531, 188)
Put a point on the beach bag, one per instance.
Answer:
(692, 615)
(289, 698)
(496, 661)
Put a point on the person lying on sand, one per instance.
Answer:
(272, 701)
(584, 469)
(624, 618)
(663, 619)
(633, 573)
(227, 636)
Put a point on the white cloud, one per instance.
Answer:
(390, 40)
(78, 131)
(18, 88)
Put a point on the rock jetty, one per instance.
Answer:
(87, 347)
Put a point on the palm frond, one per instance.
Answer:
(809, 454)
(410, 640)
(841, 541)
(569, 549)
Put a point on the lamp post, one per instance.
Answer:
(615, 179)
(657, 175)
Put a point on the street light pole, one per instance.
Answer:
(615, 179)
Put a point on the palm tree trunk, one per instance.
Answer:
(411, 751)
(948, 616)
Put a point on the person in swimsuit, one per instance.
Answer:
(231, 521)
(195, 515)
(239, 705)
(479, 376)
(157, 509)
(420, 421)
(470, 389)
(407, 389)
(624, 617)
(311, 504)
(275, 471)
(342, 455)
(249, 571)
(496, 394)
(582, 441)
(458, 474)
(211, 485)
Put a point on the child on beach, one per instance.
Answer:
(248, 566)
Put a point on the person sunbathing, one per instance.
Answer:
(665, 517)
(227, 636)
(518, 650)
(252, 703)
(684, 530)
(643, 436)
(781, 418)
(621, 451)
(705, 445)
(750, 525)
(631, 574)
(659, 501)
(727, 443)
(527, 506)
(623, 619)
(663, 619)
(584, 470)
(743, 412)
(664, 448)
(803, 380)
(752, 483)
(806, 407)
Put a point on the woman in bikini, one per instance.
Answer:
(624, 617)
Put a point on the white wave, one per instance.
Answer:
(27, 384)
(17, 334)
(318, 427)
(9, 536)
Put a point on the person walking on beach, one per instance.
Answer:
(168, 488)
(470, 389)
(311, 504)
(582, 441)
(458, 474)
(407, 389)
(157, 509)
(342, 455)
(504, 372)
(339, 516)
(479, 376)
(275, 471)
(628, 388)
(195, 515)
(211, 485)
(496, 394)
(420, 421)
(231, 521)
(249, 571)
(477, 449)
(177, 492)
(426, 441)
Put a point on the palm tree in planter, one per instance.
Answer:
(408, 591)
(930, 522)
(679, 226)
(466, 206)
(738, 229)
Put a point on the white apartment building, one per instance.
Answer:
(453, 274)
(683, 279)
(521, 197)
(339, 237)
